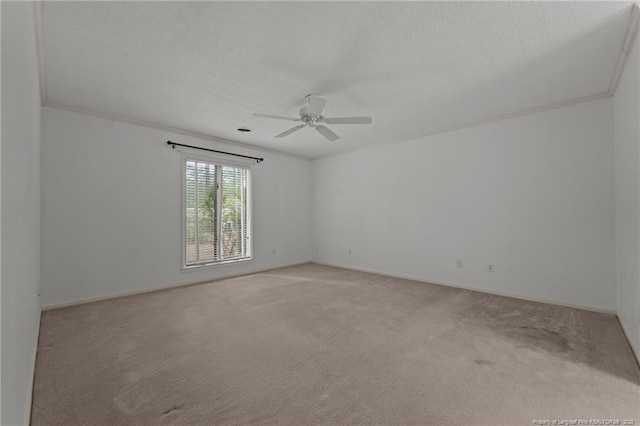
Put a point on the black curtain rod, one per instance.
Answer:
(173, 145)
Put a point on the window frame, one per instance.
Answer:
(218, 161)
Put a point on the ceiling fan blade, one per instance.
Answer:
(348, 120)
(291, 130)
(316, 104)
(275, 116)
(327, 133)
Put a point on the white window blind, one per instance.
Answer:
(216, 213)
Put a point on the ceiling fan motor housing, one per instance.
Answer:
(308, 118)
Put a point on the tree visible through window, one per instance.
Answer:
(217, 223)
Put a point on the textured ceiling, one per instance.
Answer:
(417, 67)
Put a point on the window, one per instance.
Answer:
(216, 206)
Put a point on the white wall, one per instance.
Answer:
(627, 196)
(532, 195)
(20, 234)
(0, 225)
(112, 209)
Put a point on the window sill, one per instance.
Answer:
(215, 265)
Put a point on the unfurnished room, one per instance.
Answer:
(320, 212)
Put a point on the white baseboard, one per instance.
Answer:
(27, 414)
(468, 287)
(57, 305)
(634, 348)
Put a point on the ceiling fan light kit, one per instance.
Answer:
(311, 116)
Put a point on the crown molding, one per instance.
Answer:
(627, 45)
(477, 123)
(633, 28)
(36, 6)
(174, 130)
(37, 19)
(630, 38)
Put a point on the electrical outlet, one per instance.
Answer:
(273, 251)
(490, 268)
(349, 252)
(316, 249)
(458, 263)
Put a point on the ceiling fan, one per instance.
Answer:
(311, 116)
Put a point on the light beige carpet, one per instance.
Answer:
(314, 344)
